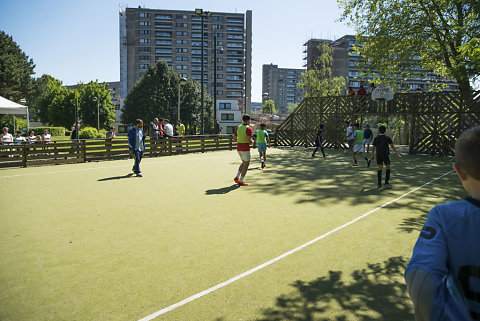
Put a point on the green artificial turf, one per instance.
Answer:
(89, 242)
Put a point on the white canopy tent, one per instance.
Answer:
(11, 108)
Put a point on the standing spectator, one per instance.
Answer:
(110, 134)
(349, 135)
(243, 136)
(367, 136)
(168, 128)
(136, 145)
(361, 91)
(73, 136)
(180, 128)
(6, 136)
(443, 274)
(154, 131)
(351, 92)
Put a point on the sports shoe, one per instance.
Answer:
(236, 180)
(139, 175)
(368, 162)
(263, 164)
(387, 186)
(242, 184)
(379, 186)
(355, 164)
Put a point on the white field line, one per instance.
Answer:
(278, 258)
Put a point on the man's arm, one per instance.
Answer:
(373, 152)
(395, 150)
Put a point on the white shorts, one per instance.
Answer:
(244, 155)
(367, 140)
(358, 148)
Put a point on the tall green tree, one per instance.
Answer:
(15, 70)
(91, 96)
(291, 107)
(52, 88)
(319, 81)
(269, 107)
(398, 37)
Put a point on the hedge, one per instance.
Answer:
(89, 132)
(54, 131)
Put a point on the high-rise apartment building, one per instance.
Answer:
(151, 35)
(280, 84)
(345, 64)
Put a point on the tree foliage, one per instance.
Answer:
(319, 81)
(15, 70)
(88, 105)
(269, 107)
(155, 95)
(291, 107)
(397, 37)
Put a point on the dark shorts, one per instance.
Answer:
(350, 143)
(383, 159)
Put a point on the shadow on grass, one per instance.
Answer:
(335, 179)
(115, 177)
(376, 293)
(223, 190)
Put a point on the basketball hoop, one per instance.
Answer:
(382, 93)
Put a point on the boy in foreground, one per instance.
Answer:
(319, 142)
(358, 146)
(136, 145)
(243, 136)
(443, 276)
(380, 144)
(262, 139)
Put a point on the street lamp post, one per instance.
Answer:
(215, 80)
(202, 14)
(98, 112)
(181, 82)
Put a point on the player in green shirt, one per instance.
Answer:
(261, 140)
(358, 146)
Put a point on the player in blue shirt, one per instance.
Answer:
(443, 276)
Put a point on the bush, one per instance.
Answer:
(54, 131)
(89, 133)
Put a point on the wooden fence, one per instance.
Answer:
(65, 152)
(433, 120)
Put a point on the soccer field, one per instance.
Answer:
(89, 242)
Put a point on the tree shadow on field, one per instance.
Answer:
(293, 170)
(223, 190)
(114, 178)
(376, 292)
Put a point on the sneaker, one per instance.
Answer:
(236, 180)
(133, 170)
(368, 162)
(387, 186)
(242, 184)
(139, 175)
(355, 165)
(263, 164)
(379, 186)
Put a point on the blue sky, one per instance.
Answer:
(78, 40)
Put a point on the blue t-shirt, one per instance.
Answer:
(448, 249)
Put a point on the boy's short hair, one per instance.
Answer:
(138, 121)
(262, 125)
(160, 119)
(246, 117)
(382, 129)
(467, 152)
(321, 126)
(347, 123)
(368, 126)
(356, 125)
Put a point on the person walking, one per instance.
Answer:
(243, 136)
(136, 145)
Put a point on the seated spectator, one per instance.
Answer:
(6, 136)
(361, 91)
(19, 138)
(351, 92)
(46, 137)
(154, 131)
(31, 136)
(110, 134)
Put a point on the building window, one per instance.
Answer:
(196, 18)
(166, 59)
(163, 17)
(163, 34)
(144, 40)
(181, 67)
(234, 77)
(235, 61)
(163, 51)
(181, 16)
(199, 51)
(234, 94)
(230, 28)
(217, 18)
(234, 69)
(145, 49)
(196, 35)
(181, 42)
(234, 20)
(144, 23)
(217, 26)
(144, 57)
(238, 37)
(143, 66)
(225, 105)
(234, 45)
(199, 43)
(218, 35)
(144, 15)
(181, 33)
(196, 68)
(144, 32)
(234, 53)
(181, 25)
(178, 58)
(235, 85)
(227, 117)
(181, 50)
(231, 129)
(162, 26)
(163, 42)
